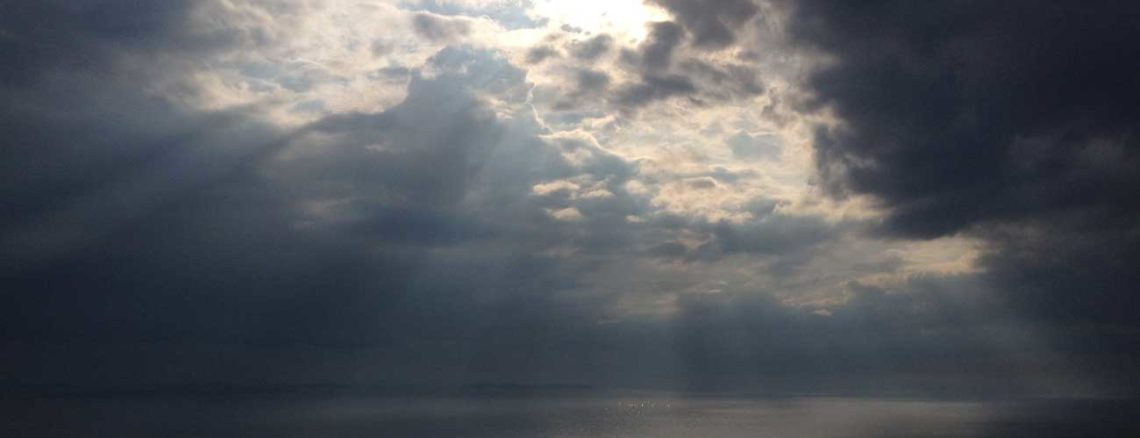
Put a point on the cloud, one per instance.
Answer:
(455, 231)
(593, 48)
(773, 234)
(541, 53)
(509, 14)
(410, 228)
(924, 333)
(656, 52)
(654, 88)
(1008, 121)
(592, 80)
(751, 147)
(711, 23)
(440, 29)
(959, 112)
(80, 135)
(662, 67)
(725, 82)
(44, 35)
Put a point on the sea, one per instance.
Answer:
(579, 414)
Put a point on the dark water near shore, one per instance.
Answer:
(559, 416)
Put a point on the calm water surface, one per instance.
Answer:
(658, 416)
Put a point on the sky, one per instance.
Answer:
(808, 196)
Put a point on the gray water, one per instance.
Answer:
(630, 415)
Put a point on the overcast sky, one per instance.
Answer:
(817, 196)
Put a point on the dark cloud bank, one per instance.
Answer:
(147, 244)
(1015, 122)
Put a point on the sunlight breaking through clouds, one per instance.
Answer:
(753, 192)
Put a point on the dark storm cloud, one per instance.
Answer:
(440, 29)
(538, 54)
(654, 88)
(650, 62)
(51, 34)
(130, 217)
(592, 48)
(711, 23)
(79, 135)
(773, 234)
(665, 70)
(1011, 121)
(656, 52)
(958, 113)
(592, 80)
